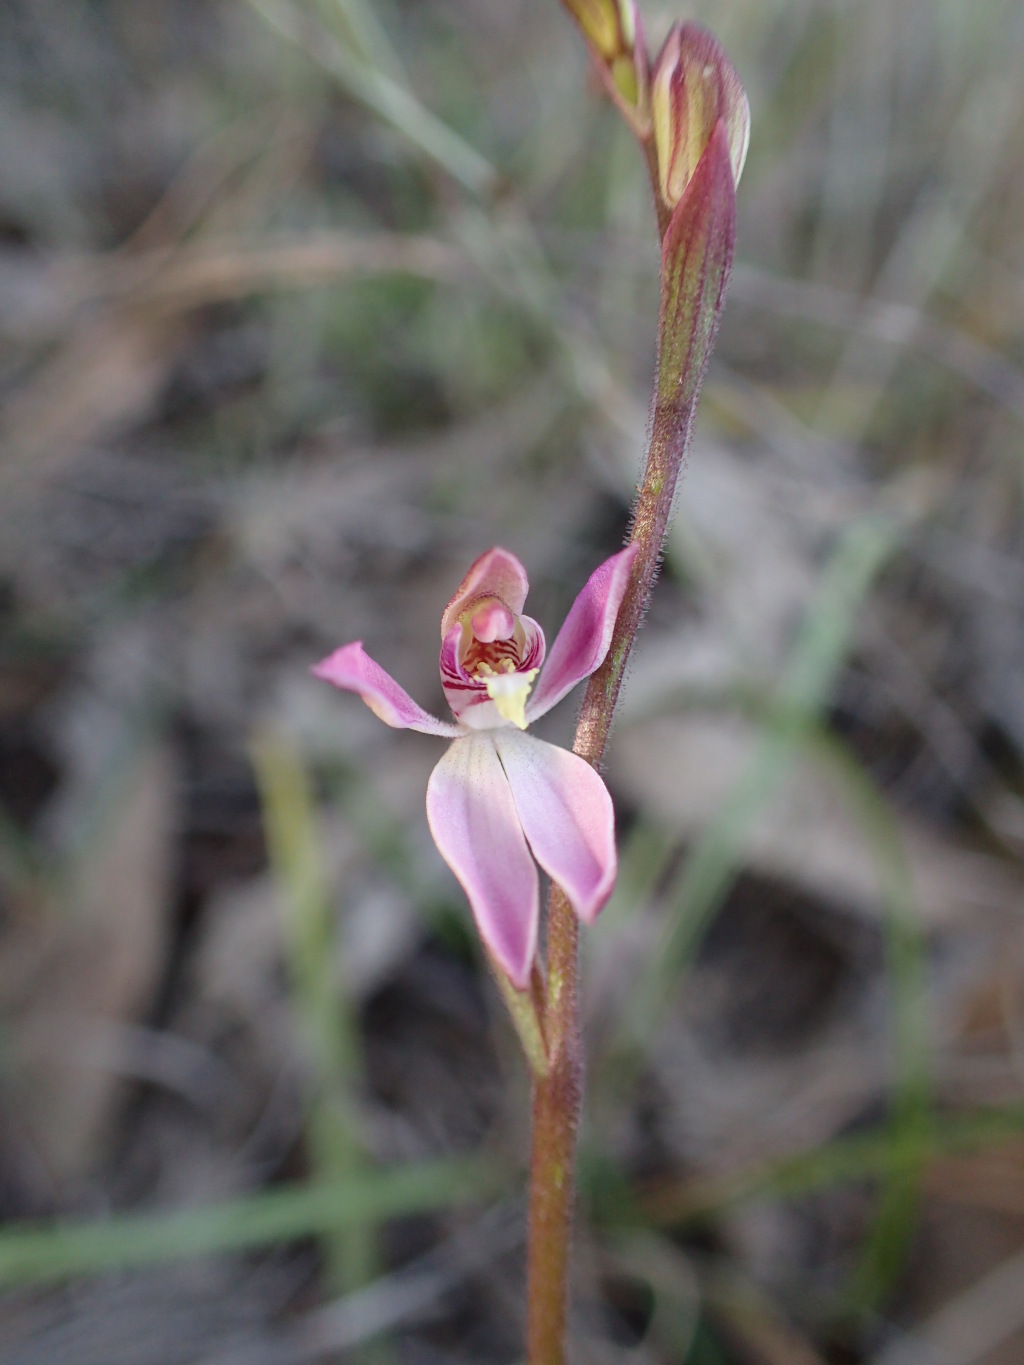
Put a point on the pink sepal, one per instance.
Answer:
(352, 669)
(567, 816)
(582, 643)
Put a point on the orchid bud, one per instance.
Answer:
(614, 35)
(693, 85)
(601, 22)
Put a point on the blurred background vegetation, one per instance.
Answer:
(304, 304)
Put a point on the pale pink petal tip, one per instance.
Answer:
(352, 669)
(567, 816)
(582, 643)
(476, 828)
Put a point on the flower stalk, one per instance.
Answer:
(557, 1100)
(695, 151)
(614, 34)
(500, 802)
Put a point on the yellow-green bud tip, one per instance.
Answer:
(599, 20)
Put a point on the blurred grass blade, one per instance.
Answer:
(390, 101)
(31, 1254)
(859, 1156)
(888, 1240)
(362, 30)
(387, 840)
(21, 868)
(327, 1021)
(752, 1317)
(671, 1279)
(644, 856)
(713, 863)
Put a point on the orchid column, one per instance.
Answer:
(691, 118)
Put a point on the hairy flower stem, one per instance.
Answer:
(557, 1097)
(556, 1109)
(695, 272)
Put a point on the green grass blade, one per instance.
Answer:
(888, 1240)
(34, 1254)
(713, 863)
(390, 100)
(327, 1020)
(860, 1156)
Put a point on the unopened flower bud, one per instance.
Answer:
(612, 33)
(693, 85)
(601, 22)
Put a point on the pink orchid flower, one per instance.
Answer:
(498, 794)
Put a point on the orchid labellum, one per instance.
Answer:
(499, 795)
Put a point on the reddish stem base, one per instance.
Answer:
(556, 1109)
